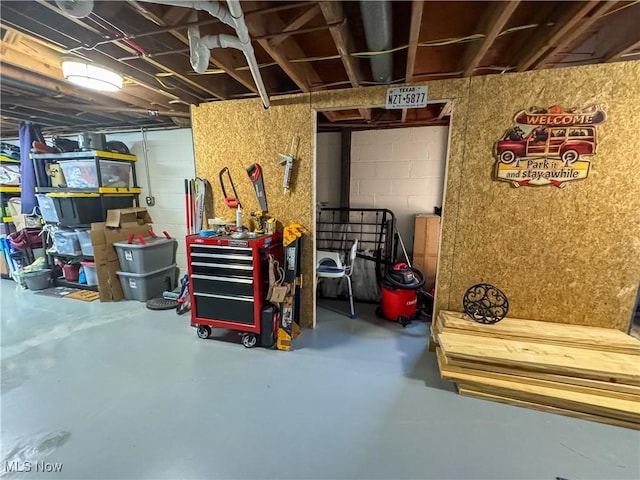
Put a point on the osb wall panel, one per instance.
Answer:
(568, 255)
(239, 133)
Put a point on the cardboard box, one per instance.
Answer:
(121, 216)
(120, 224)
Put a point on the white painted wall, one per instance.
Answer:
(171, 160)
(328, 160)
(401, 169)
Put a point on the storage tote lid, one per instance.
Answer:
(143, 242)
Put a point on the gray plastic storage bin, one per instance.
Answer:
(38, 280)
(155, 254)
(143, 286)
(47, 208)
(84, 237)
(66, 242)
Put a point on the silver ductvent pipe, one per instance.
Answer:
(378, 30)
(201, 47)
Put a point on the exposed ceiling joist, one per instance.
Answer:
(296, 24)
(563, 27)
(18, 21)
(621, 51)
(579, 29)
(222, 58)
(491, 25)
(334, 14)
(101, 108)
(302, 74)
(417, 7)
(23, 53)
(446, 111)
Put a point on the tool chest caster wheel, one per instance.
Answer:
(204, 331)
(249, 341)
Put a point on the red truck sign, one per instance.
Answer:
(548, 146)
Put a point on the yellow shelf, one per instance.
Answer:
(8, 189)
(87, 154)
(7, 219)
(5, 159)
(72, 194)
(120, 190)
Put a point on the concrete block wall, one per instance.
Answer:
(171, 160)
(399, 169)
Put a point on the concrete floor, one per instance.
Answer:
(115, 391)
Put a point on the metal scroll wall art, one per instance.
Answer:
(485, 303)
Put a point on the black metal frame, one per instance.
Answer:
(374, 228)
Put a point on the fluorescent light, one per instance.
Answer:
(91, 76)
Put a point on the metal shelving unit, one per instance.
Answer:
(99, 198)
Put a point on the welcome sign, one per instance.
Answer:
(551, 146)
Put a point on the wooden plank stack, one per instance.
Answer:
(579, 371)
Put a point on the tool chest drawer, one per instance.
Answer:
(222, 270)
(221, 259)
(232, 286)
(221, 307)
(229, 279)
(222, 252)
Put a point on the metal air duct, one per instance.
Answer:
(376, 17)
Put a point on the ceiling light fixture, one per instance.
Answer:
(91, 76)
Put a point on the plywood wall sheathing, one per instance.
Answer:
(567, 255)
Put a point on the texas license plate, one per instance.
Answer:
(406, 97)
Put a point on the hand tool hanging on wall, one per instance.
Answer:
(287, 161)
(231, 202)
(255, 175)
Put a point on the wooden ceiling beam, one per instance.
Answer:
(492, 23)
(345, 44)
(417, 7)
(24, 54)
(618, 53)
(222, 58)
(80, 35)
(175, 68)
(21, 51)
(296, 23)
(61, 87)
(21, 116)
(579, 29)
(174, 15)
(302, 74)
(563, 27)
(59, 116)
(98, 109)
(446, 111)
(51, 58)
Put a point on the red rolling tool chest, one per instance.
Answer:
(228, 283)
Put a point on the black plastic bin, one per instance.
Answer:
(73, 211)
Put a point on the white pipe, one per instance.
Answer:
(200, 46)
(243, 35)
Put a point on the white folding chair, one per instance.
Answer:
(330, 265)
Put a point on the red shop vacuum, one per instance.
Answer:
(400, 293)
(402, 296)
